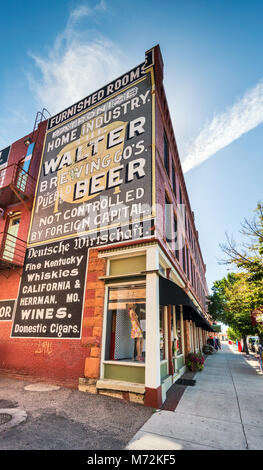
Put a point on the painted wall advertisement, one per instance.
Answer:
(7, 309)
(95, 188)
(51, 291)
(96, 170)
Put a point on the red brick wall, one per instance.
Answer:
(164, 187)
(66, 360)
(59, 361)
(62, 361)
(93, 314)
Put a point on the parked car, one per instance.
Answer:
(252, 343)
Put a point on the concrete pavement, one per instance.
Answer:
(223, 411)
(45, 417)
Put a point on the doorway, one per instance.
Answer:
(11, 237)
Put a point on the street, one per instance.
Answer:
(56, 418)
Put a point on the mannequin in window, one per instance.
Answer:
(136, 331)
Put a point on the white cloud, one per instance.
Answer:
(79, 12)
(84, 10)
(225, 128)
(80, 62)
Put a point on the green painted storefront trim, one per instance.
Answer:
(127, 373)
(164, 370)
(133, 264)
(180, 362)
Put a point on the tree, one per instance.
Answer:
(249, 257)
(233, 335)
(217, 302)
(241, 298)
(235, 296)
(231, 302)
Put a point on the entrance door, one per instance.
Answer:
(10, 241)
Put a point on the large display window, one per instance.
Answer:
(162, 334)
(126, 323)
(179, 346)
(176, 332)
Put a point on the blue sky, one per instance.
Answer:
(54, 53)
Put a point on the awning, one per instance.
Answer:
(171, 294)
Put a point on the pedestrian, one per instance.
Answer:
(215, 343)
(211, 343)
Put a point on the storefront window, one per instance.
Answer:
(162, 334)
(126, 323)
(179, 349)
(173, 332)
(176, 332)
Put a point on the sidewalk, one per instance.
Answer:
(223, 411)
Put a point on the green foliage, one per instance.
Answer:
(195, 361)
(236, 295)
(233, 335)
(217, 302)
(242, 297)
(217, 328)
(248, 258)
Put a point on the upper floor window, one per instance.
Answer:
(180, 196)
(187, 261)
(184, 260)
(166, 152)
(191, 267)
(168, 221)
(174, 180)
(176, 237)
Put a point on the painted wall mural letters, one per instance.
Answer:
(95, 187)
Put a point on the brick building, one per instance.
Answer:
(102, 280)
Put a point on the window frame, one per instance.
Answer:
(166, 153)
(105, 329)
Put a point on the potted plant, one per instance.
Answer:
(195, 361)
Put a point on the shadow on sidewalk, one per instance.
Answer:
(175, 392)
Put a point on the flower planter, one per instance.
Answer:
(195, 362)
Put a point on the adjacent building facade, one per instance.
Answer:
(102, 280)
